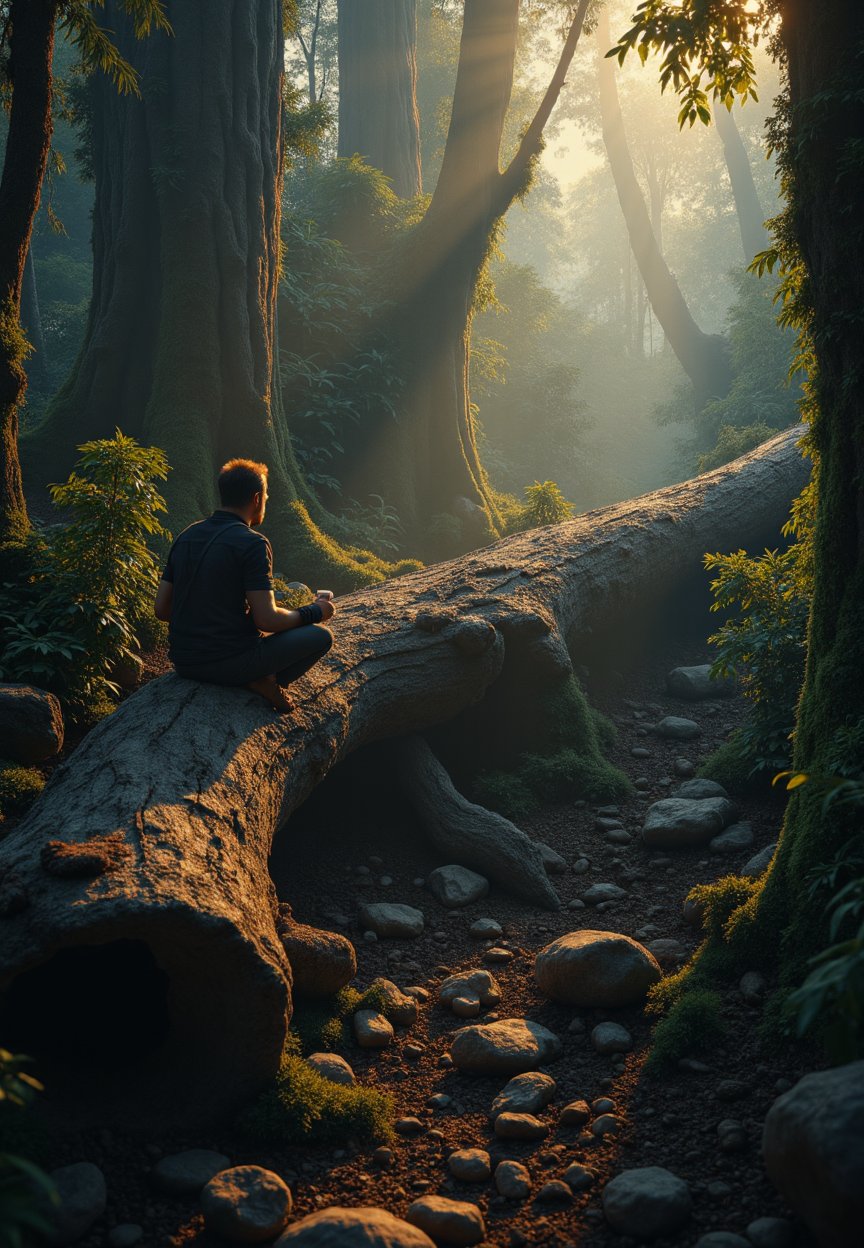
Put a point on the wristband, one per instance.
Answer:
(311, 614)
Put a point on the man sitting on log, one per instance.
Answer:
(216, 593)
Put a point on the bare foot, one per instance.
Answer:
(270, 689)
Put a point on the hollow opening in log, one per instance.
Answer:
(102, 1006)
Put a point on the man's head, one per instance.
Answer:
(243, 488)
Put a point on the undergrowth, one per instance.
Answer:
(19, 787)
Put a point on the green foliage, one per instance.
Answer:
(348, 567)
(79, 23)
(321, 1025)
(694, 1023)
(19, 787)
(733, 441)
(303, 1108)
(26, 1193)
(545, 504)
(764, 642)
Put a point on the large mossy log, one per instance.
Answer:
(137, 891)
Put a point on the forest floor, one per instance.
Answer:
(668, 1119)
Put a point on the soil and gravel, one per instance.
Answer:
(342, 850)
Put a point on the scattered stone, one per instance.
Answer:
(372, 1030)
(498, 955)
(581, 866)
(485, 929)
(524, 1094)
(607, 825)
(321, 962)
(553, 863)
(246, 1204)
(184, 1174)
(507, 1047)
(693, 913)
(771, 1233)
(684, 767)
(611, 1038)
(732, 1135)
(440, 1100)
(512, 1180)
(722, 1239)
(465, 1007)
(126, 1235)
(576, 1026)
(667, 951)
(510, 1126)
(576, 1114)
(389, 919)
(476, 985)
(759, 863)
(456, 886)
(676, 822)
(595, 970)
(470, 1165)
(578, 1177)
(646, 1203)
(639, 751)
(606, 1124)
(737, 836)
(752, 987)
(409, 1126)
(603, 1105)
(82, 1191)
(383, 1157)
(696, 683)
(353, 1228)
(598, 893)
(675, 729)
(700, 789)
(576, 904)
(555, 1192)
(419, 994)
(400, 1007)
(31, 725)
(731, 1090)
(811, 1146)
(448, 1221)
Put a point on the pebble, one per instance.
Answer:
(611, 1038)
(456, 886)
(731, 1090)
(599, 893)
(737, 836)
(498, 955)
(419, 994)
(759, 862)
(353, 1228)
(555, 1192)
(667, 951)
(479, 985)
(508, 1047)
(392, 920)
(639, 751)
(512, 1180)
(646, 1203)
(414, 1052)
(581, 866)
(524, 1094)
(383, 1157)
(83, 1196)
(606, 1124)
(510, 1126)
(485, 929)
(184, 1174)
(553, 863)
(674, 728)
(732, 1136)
(752, 987)
(771, 1233)
(578, 1177)
(576, 904)
(372, 1030)
(399, 1007)
(603, 1105)
(448, 1221)
(700, 788)
(576, 1114)
(409, 1126)
(470, 1165)
(684, 767)
(246, 1204)
(465, 1007)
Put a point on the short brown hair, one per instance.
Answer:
(240, 480)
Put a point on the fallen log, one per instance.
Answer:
(137, 890)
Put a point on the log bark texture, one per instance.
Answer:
(152, 840)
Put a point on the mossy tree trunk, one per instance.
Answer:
(378, 115)
(751, 218)
(31, 52)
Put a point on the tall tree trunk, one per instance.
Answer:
(31, 320)
(751, 218)
(27, 144)
(704, 357)
(180, 346)
(378, 116)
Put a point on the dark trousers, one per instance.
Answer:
(283, 655)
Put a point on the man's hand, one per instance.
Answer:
(326, 605)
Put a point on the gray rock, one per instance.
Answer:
(667, 951)
(675, 729)
(321, 962)
(752, 987)
(498, 955)
(126, 1235)
(646, 1203)
(485, 929)
(512, 1180)
(479, 985)
(578, 1177)
(83, 1196)
(456, 886)
(771, 1233)
(599, 970)
(184, 1174)
(759, 862)
(722, 1239)
(31, 724)
(506, 1047)
(576, 1114)
(364, 1227)
(372, 1030)
(465, 1007)
(524, 1094)
(607, 1124)
(812, 1149)
(684, 767)
(246, 1204)
(333, 1067)
(674, 822)
(470, 1165)
(387, 918)
(598, 893)
(553, 863)
(695, 683)
(399, 1006)
(611, 1038)
(409, 1126)
(736, 837)
(520, 1127)
(555, 1193)
(699, 788)
(448, 1221)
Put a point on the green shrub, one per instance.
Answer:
(545, 504)
(19, 787)
(694, 1023)
(732, 441)
(321, 1024)
(26, 1192)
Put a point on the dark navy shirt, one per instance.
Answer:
(210, 618)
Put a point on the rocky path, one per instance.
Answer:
(587, 1111)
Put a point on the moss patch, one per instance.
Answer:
(320, 1025)
(19, 787)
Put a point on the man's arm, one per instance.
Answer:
(270, 618)
(164, 598)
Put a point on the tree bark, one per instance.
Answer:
(31, 320)
(145, 861)
(704, 357)
(378, 115)
(751, 218)
(31, 53)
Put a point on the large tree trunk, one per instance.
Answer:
(31, 52)
(751, 218)
(144, 865)
(378, 117)
(31, 321)
(704, 357)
